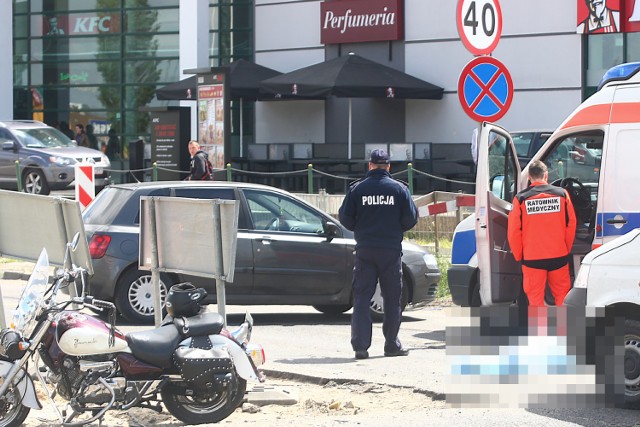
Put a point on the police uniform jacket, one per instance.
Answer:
(378, 209)
(542, 225)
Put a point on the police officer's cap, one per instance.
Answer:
(379, 157)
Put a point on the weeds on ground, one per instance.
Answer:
(444, 262)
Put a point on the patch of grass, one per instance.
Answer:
(443, 286)
(6, 260)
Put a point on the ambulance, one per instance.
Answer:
(595, 155)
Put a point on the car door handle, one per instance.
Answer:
(266, 240)
(616, 221)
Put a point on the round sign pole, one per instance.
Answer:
(479, 25)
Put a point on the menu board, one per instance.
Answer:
(169, 139)
(212, 117)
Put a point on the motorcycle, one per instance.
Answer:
(192, 365)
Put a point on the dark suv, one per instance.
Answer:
(288, 252)
(46, 157)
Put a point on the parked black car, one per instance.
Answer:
(528, 143)
(305, 258)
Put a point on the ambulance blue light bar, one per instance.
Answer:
(619, 72)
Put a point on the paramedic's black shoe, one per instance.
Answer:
(362, 354)
(399, 352)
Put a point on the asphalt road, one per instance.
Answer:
(303, 344)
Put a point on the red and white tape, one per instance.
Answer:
(450, 206)
(85, 184)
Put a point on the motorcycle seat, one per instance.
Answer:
(155, 346)
(199, 325)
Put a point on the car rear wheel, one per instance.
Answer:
(134, 295)
(377, 306)
(34, 182)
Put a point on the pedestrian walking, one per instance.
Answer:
(378, 209)
(113, 145)
(541, 230)
(92, 139)
(81, 136)
(64, 128)
(200, 164)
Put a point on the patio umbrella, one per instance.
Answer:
(244, 78)
(351, 76)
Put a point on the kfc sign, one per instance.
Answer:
(353, 21)
(79, 24)
(608, 16)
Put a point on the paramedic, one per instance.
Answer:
(542, 226)
(378, 209)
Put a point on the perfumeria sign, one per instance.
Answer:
(353, 21)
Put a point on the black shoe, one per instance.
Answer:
(398, 352)
(362, 354)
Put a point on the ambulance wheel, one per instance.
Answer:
(632, 363)
(474, 298)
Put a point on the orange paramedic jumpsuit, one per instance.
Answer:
(542, 226)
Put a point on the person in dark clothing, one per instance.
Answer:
(200, 169)
(113, 145)
(91, 137)
(81, 136)
(378, 209)
(64, 128)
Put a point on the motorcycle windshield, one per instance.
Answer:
(32, 296)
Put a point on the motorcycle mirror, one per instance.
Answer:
(75, 241)
(71, 247)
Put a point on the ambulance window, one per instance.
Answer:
(574, 163)
(576, 156)
(502, 168)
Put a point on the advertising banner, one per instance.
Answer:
(608, 16)
(165, 143)
(212, 117)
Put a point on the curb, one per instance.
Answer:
(14, 275)
(323, 381)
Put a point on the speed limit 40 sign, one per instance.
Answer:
(479, 25)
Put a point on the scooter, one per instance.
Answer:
(192, 365)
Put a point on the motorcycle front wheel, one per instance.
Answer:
(12, 411)
(203, 409)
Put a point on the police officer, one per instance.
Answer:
(378, 209)
(542, 226)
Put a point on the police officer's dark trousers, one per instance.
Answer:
(371, 265)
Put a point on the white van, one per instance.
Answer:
(595, 155)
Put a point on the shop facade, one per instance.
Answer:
(100, 61)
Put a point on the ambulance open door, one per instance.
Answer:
(497, 178)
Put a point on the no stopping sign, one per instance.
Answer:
(485, 89)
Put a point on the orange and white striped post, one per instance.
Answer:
(85, 184)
